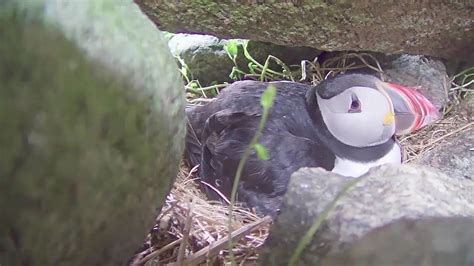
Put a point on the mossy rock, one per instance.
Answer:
(444, 30)
(92, 130)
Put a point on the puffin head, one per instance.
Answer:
(362, 111)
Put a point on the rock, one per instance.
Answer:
(386, 194)
(204, 55)
(427, 74)
(208, 62)
(467, 105)
(455, 158)
(432, 241)
(92, 114)
(397, 27)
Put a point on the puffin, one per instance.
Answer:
(345, 124)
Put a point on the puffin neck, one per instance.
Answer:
(341, 150)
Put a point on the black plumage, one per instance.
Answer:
(294, 135)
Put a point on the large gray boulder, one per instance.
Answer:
(416, 27)
(92, 112)
(384, 196)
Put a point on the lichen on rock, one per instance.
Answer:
(92, 131)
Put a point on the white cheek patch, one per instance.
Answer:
(361, 129)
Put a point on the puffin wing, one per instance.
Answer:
(287, 154)
(225, 137)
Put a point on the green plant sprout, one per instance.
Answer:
(463, 82)
(256, 69)
(266, 101)
(193, 85)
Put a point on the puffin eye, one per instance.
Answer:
(355, 105)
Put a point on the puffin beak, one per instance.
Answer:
(412, 110)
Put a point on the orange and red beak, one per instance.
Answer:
(412, 110)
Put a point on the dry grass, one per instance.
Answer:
(197, 228)
(419, 143)
(192, 230)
